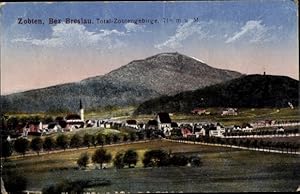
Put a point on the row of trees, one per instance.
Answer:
(152, 158)
(38, 144)
(249, 143)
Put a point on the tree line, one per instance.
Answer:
(62, 141)
(129, 158)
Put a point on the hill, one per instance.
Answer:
(140, 80)
(247, 91)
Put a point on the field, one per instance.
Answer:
(223, 170)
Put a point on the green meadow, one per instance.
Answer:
(222, 170)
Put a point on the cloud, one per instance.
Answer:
(183, 32)
(131, 27)
(76, 35)
(253, 31)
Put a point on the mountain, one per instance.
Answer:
(245, 91)
(140, 80)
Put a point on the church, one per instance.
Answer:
(75, 121)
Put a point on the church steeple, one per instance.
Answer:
(80, 105)
(81, 110)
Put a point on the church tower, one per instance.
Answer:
(81, 111)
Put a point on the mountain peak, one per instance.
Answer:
(139, 80)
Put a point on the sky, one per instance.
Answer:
(250, 36)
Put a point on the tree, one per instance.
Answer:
(116, 138)
(21, 145)
(132, 136)
(130, 158)
(36, 145)
(49, 143)
(94, 141)
(87, 140)
(155, 158)
(140, 135)
(76, 141)
(125, 138)
(83, 160)
(118, 160)
(100, 139)
(6, 149)
(108, 139)
(100, 156)
(62, 141)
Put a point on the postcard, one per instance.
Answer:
(150, 97)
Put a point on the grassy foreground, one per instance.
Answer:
(223, 170)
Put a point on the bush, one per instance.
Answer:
(83, 160)
(64, 187)
(74, 186)
(195, 161)
(14, 182)
(178, 160)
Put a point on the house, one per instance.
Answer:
(198, 111)
(229, 111)
(152, 124)
(246, 127)
(54, 127)
(280, 129)
(186, 132)
(34, 126)
(141, 125)
(91, 123)
(216, 131)
(163, 120)
(107, 124)
(131, 123)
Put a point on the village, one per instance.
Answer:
(161, 123)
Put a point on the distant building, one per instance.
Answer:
(164, 121)
(53, 127)
(186, 132)
(34, 126)
(199, 111)
(229, 111)
(152, 124)
(131, 123)
(90, 123)
(74, 122)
